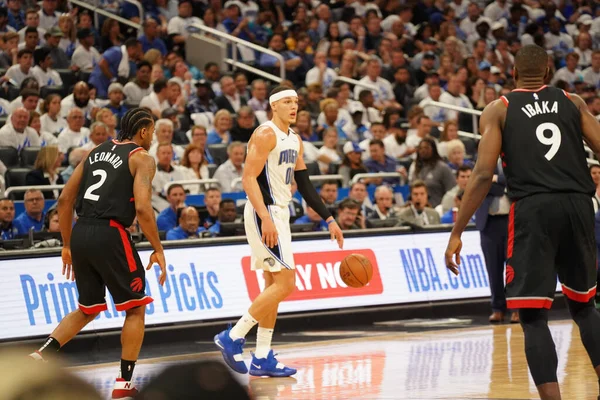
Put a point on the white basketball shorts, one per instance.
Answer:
(262, 257)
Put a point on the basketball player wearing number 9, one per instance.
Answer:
(553, 140)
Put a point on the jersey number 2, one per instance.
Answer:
(553, 141)
(89, 193)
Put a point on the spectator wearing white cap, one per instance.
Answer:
(591, 75)
(43, 72)
(321, 73)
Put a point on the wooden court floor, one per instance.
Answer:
(470, 363)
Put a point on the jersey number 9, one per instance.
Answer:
(553, 141)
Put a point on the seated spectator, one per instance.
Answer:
(138, 88)
(157, 101)
(423, 130)
(418, 212)
(347, 215)
(164, 134)
(115, 64)
(304, 128)
(222, 125)
(311, 217)
(109, 120)
(295, 205)
(212, 199)
(80, 98)
(379, 162)
(75, 157)
(429, 168)
(450, 216)
(29, 99)
(202, 101)
(47, 139)
(232, 168)
(329, 193)
(48, 160)
(383, 208)
(328, 153)
(75, 134)
(99, 133)
(227, 214)
(463, 173)
(33, 217)
(32, 20)
(151, 37)
(182, 25)
(115, 97)
(51, 223)
(189, 226)
(32, 40)
(18, 72)
(198, 137)
(197, 167)
(85, 56)
(378, 131)
(569, 73)
(321, 73)
(230, 99)
(332, 117)
(176, 96)
(244, 126)
(313, 100)
(456, 155)
(59, 57)
(384, 95)
(165, 170)
(259, 101)
(352, 163)
(43, 72)
(17, 134)
(395, 143)
(450, 132)
(48, 15)
(167, 219)
(8, 230)
(8, 55)
(51, 120)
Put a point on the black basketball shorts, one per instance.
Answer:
(550, 235)
(104, 257)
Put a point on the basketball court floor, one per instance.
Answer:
(410, 359)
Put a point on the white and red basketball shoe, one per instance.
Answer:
(124, 390)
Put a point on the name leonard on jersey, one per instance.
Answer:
(108, 157)
(531, 110)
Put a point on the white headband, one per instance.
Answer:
(281, 95)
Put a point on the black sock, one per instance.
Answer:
(50, 344)
(127, 369)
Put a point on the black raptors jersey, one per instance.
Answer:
(106, 191)
(542, 144)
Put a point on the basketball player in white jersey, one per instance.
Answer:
(274, 159)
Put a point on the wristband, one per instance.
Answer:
(330, 222)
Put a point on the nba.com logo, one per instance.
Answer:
(318, 276)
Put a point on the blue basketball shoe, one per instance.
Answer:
(232, 351)
(269, 367)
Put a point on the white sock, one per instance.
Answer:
(243, 326)
(263, 342)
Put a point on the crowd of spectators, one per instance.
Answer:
(66, 84)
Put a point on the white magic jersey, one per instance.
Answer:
(276, 178)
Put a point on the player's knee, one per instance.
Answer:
(139, 311)
(580, 310)
(88, 317)
(288, 284)
(533, 316)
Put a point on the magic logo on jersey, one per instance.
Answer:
(288, 156)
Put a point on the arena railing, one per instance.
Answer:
(13, 189)
(357, 83)
(316, 178)
(235, 42)
(377, 175)
(475, 113)
(97, 10)
(190, 182)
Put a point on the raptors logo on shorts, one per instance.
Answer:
(136, 285)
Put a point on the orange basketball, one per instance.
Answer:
(356, 270)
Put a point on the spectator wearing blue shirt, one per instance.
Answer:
(271, 64)
(311, 217)
(379, 162)
(449, 217)
(227, 214)
(16, 14)
(189, 226)
(150, 39)
(8, 230)
(222, 124)
(115, 96)
(33, 217)
(115, 64)
(167, 219)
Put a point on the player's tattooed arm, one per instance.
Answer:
(144, 169)
(589, 125)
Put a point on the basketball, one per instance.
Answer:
(356, 270)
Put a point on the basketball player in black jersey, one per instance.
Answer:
(109, 188)
(539, 132)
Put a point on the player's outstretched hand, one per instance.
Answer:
(269, 233)
(453, 253)
(336, 234)
(67, 269)
(159, 258)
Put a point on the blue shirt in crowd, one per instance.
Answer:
(9, 232)
(322, 226)
(24, 222)
(167, 219)
(178, 233)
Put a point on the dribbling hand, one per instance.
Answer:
(269, 233)
(159, 258)
(336, 234)
(453, 253)
(67, 269)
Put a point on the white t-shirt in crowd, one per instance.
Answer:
(52, 126)
(68, 138)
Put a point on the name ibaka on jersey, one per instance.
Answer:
(106, 156)
(531, 110)
(288, 156)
